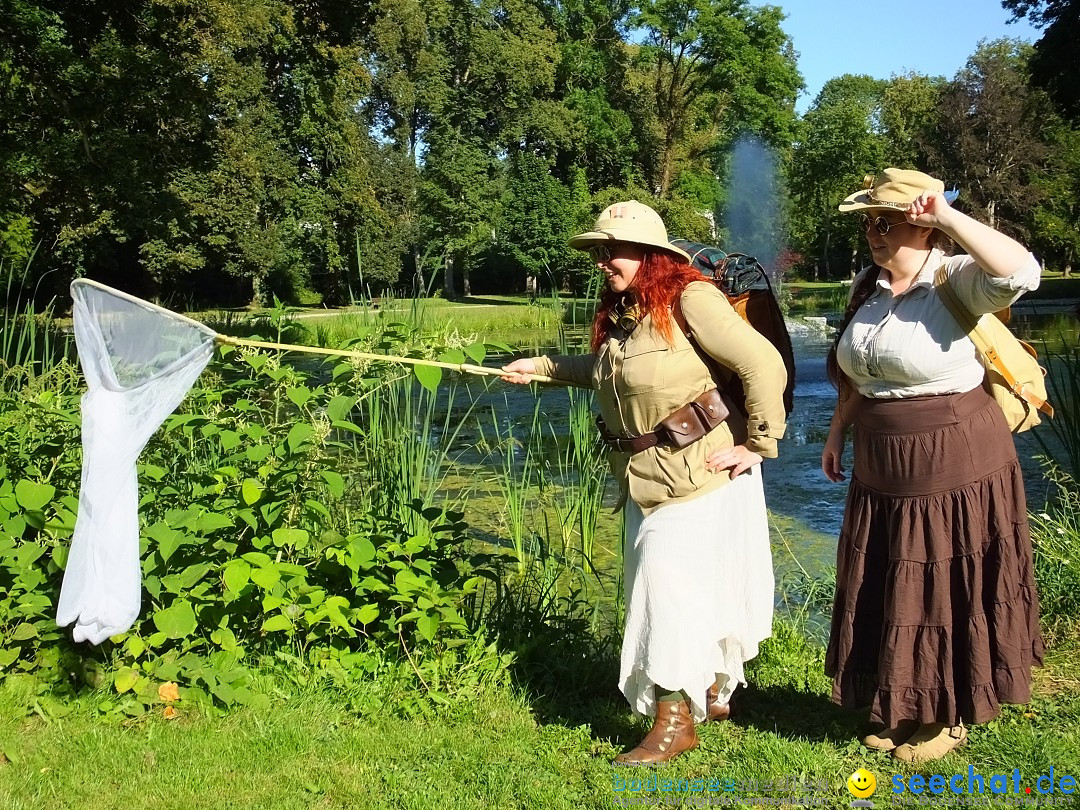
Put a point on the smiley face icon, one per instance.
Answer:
(862, 784)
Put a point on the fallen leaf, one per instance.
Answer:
(170, 713)
(169, 692)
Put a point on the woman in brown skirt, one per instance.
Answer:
(936, 618)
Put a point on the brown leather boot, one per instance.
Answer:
(714, 710)
(672, 733)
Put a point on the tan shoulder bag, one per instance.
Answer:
(1013, 375)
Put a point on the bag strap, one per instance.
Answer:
(970, 324)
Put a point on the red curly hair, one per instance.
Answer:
(661, 277)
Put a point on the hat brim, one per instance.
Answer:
(860, 201)
(584, 241)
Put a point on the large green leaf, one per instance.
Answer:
(236, 575)
(168, 540)
(265, 578)
(429, 377)
(276, 623)
(299, 396)
(297, 538)
(367, 614)
(455, 356)
(299, 435)
(32, 495)
(476, 352)
(339, 407)
(334, 482)
(428, 625)
(24, 632)
(8, 656)
(125, 679)
(251, 490)
(177, 621)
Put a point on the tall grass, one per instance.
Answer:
(516, 470)
(407, 453)
(1055, 534)
(814, 301)
(1063, 389)
(30, 342)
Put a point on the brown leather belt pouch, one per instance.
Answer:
(679, 429)
(693, 420)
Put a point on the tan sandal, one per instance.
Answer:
(888, 739)
(931, 741)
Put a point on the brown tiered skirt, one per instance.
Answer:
(936, 617)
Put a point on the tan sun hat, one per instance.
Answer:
(895, 189)
(628, 221)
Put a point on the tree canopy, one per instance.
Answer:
(236, 150)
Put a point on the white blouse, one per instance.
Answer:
(910, 345)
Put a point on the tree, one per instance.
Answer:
(591, 87)
(1056, 220)
(988, 138)
(714, 68)
(1055, 65)
(97, 108)
(840, 141)
(538, 220)
(909, 108)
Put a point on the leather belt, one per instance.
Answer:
(684, 426)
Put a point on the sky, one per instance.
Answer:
(881, 39)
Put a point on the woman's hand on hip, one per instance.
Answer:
(519, 371)
(737, 459)
(832, 456)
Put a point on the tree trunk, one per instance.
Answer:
(448, 278)
(825, 252)
(465, 282)
(419, 288)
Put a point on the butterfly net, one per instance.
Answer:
(139, 361)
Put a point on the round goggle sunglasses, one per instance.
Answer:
(599, 253)
(881, 225)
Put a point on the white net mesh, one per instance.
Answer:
(139, 361)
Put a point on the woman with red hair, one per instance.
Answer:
(696, 561)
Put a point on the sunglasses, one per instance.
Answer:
(881, 225)
(600, 253)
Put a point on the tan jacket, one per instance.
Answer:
(640, 379)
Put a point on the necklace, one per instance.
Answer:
(911, 280)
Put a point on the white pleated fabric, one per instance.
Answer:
(139, 361)
(699, 594)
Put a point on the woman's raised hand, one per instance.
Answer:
(519, 371)
(737, 459)
(929, 210)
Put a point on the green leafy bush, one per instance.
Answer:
(264, 536)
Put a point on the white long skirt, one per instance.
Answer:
(699, 594)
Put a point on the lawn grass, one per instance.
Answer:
(503, 746)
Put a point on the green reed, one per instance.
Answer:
(1063, 390)
(516, 471)
(1055, 534)
(407, 454)
(30, 342)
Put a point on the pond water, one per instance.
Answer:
(805, 508)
